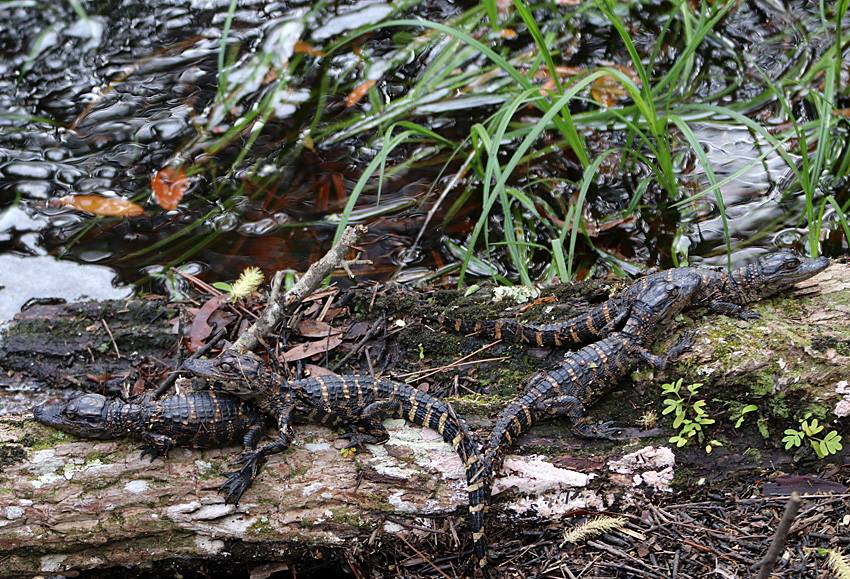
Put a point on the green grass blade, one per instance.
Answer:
(696, 146)
(586, 181)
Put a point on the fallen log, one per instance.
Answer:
(70, 505)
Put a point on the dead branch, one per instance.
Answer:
(278, 304)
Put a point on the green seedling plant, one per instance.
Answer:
(740, 416)
(825, 445)
(690, 415)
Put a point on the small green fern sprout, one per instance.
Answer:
(592, 528)
(829, 444)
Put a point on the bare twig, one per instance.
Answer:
(111, 337)
(278, 303)
(373, 330)
(462, 361)
(172, 376)
(778, 542)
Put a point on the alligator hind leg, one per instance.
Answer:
(366, 432)
(156, 445)
(368, 424)
(572, 408)
(251, 461)
(252, 437)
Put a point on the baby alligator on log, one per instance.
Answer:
(586, 375)
(713, 287)
(198, 419)
(360, 401)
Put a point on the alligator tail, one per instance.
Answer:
(424, 410)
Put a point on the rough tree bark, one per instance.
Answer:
(68, 505)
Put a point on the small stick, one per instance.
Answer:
(111, 337)
(377, 327)
(778, 542)
(172, 376)
(423, 557)
(278, 303)
(430, 371)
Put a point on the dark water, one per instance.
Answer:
(97, 104)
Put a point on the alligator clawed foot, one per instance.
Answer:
(155, 451)
(235, 486)
(748, 315)
(602, 430)
(150, 450)
(359, 440)
(248, 462)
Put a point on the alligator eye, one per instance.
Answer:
(226, 366)
(793, 263)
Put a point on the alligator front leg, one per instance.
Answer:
(156, 445)
(684, 344)
(733, 310)
(251, 461)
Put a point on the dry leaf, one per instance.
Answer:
(201, 328)
(607, 91)
(302, 47)
(358, 93)
(313, 370)
(99, 205)
(309, 349)
(169, 185)
(316, 329)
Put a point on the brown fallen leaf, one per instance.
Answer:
(100, 205)
(538, 302)
(313, 370)
(316, 329)
(607, 90)
(201, 328)
(310, 349)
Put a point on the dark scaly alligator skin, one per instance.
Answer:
(359, 401)
(713, 287)
(582, 329)
(586, 375)
(197, 419)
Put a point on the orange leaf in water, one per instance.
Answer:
(302, 47)
(607, 90)
(169, 185)
(99, 205)
(358, 93)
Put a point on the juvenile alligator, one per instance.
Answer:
(359, 401)
(198, 419)
(713, 287)
(586, 375)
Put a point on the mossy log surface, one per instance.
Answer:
(70, 505)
